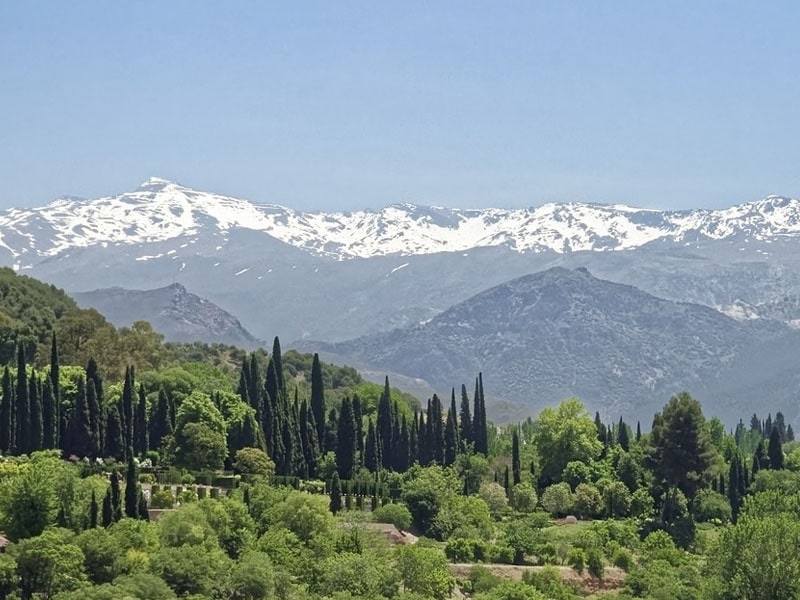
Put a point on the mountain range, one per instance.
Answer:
(338, 276)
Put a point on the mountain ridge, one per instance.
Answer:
(161, 210)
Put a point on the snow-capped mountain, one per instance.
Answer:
(160, 210)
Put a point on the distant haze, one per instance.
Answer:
(331, 106)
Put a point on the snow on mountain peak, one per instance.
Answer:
(160, 210)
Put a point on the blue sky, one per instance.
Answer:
(346, 105)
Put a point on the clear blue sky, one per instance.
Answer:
(360, 104)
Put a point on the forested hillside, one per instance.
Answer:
(206, 472)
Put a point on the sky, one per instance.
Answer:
(350, 105)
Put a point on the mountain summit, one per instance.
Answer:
(161, 210)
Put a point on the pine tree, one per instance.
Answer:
(516, 464)
(37, 416)
(623, 437)
(78, 436)
(346, 437)
(94, 417)
(465, 433)
(116, 497)
(131, 491)
(23, 410)
(336, 494)
(93, 511)
(318, 397)
(108, 510)
(774, 450)
(385, 425)
(140, 424)
(371, 452)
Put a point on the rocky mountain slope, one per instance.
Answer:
(334, 276)
(180, 315)
(559, 333)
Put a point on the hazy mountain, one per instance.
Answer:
(544, 337)
(180, 315)
(334, 276)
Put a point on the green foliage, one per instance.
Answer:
(558, 499)
(395, 514)
(424, 571)
(254, 461)
(162, 499)
(588, 502)
(48, 564)
(523, 498)
(563, 435)
(709, 505)
(495, 498)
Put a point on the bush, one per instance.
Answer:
(594, 563)
(709, 505)
(147, 478)
(557, 499)
(394, 514)
(500, 553)
(642, 504)
(465, 550)
(162, 499)
(577, 559)
(187, 479)
(588, 501)
(254, 461)
(523, 498)
(622, 558)
(495, 498)
(187, 496)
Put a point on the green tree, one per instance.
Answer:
(254, 461)
(336, 494)
(346, 437)
(565, 434)
(48, 564)
(588, 502)
(558, 499)
(680, 451)
(616, 499)
(775, 450)
(131, 489)
(199, 448)
(252, 577)
(318, 398)
(516, 465)
(424, 571)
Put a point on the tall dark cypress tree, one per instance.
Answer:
(734, 475)
(116, 496)
(385, 425)
(131, 488)
(308, 437)
(780, 424)
(6, 404)
(256, 388)
(760, 458)
(49, 418)
(78, 436)
(450, 438)
(23, 412)
(127, 409)
(331, 431)
(358, 417)
(789, 433)
(436, 429)
(623, 438)
(465, 433)
(140, 424)
(455, 417)
(516, 464)
(638, 431)
(371, 451)
(108, 509)
(480, 434)
(774, 450)
(277, 358)
(37, 416)
(336, 494)
(768, 426)
(98, 420)
(55, 384)
(404, 447)
(413, 441)
(346, 437)
(318, 397)
(94, 511)
(114, 436)
(95, 416)
(160, 423)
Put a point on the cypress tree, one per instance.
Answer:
(404, 446)
(78, 436)
(49, 417)
(789, 433)
(622, 437)
(277, 358)
(108, 511)
(516, 464)
(346, 437)
(160, 423)
(94, 417)
(507, 482)
(775, 451)
(385, 425)
(413, 441)
(55, 384)
(768, 426)
(255, 388)
(721, 484)
(371, 451)
(116, 497)
(436, 425)
(760, 457)
(638, 431)
(780, 425)
(131, 489)
(308, 437)
(93, 374)
(37, 418)
(318, 397)
(331, 431)
(23, 411)
(93, 511)
(358, 417)
(601, 429)
(451, 437)
(114, 437)
(140, 424)
(734, 474)
(465, 432)
(126, 412)
(480, 434)
(336, 494)
(143, 513)
(6, 404)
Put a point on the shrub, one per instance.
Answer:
(187, 479)
(642, 504)
(557, 499)
(395, 514)
(500, 553)
(709, 505)
(622, 558)
(577, 559)
(588, 501)
(254, 461)
(495, 498)
(162, 499)
(465, 550)
(147, 478)
(594, 563)
(523, 498)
